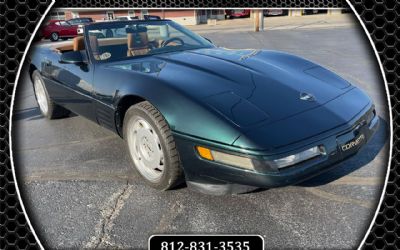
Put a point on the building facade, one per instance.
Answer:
(182, 16)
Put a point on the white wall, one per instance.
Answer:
(189, 20)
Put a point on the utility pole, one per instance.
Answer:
(257, 20)
(262, 20)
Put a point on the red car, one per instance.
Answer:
(56, 29)
(275, 12)
(237, 13)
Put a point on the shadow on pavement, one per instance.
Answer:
(31, 114)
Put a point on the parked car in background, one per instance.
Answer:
(275, 12)
(80, 20)
(125, 18)
(151, 17)
(59, 29)
(313, 11)
(237, 13)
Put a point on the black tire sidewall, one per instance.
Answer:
(165, 182)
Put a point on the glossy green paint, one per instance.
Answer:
(257, 103)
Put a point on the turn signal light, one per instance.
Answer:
(228, 159)
(205, 153)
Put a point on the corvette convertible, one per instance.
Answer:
(223, 120)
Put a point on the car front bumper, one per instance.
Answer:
(213, 177)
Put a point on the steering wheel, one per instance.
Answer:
(170, 40)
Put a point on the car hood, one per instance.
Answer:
(252, 86)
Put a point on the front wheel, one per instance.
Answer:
(54, 36)
(152, 147)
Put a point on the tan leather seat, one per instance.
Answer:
(78, 43)
(138, 44)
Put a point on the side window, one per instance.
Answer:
(63, 23)
(153, 32)
(168, 32)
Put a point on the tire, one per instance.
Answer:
(152, 147)
(47, 107)
(54, 37)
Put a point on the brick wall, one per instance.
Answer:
(185, 17)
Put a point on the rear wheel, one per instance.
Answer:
(54, 36)
(47, 107)
(152, 147)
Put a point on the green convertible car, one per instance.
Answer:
(222, 120)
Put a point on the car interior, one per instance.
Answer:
(136, 43)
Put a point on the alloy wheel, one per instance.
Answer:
(145, 149)
(41, 97)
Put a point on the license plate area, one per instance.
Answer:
(351, 142)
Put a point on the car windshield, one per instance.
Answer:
(126, 39)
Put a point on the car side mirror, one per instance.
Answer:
(72, 57)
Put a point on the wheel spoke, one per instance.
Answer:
(145, 149)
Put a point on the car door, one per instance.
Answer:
(70, 85)
(60, 26)
(77, 82)
(106, 91)
(65, 29)
(71, 29)
(56, 27)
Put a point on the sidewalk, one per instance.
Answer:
(321, 21)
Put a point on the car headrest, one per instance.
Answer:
(78, 43)
(138, 40)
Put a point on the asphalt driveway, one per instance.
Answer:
(79, 189)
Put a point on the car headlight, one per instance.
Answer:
(299, 157)
(228, 159)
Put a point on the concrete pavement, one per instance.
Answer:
(319, 21)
